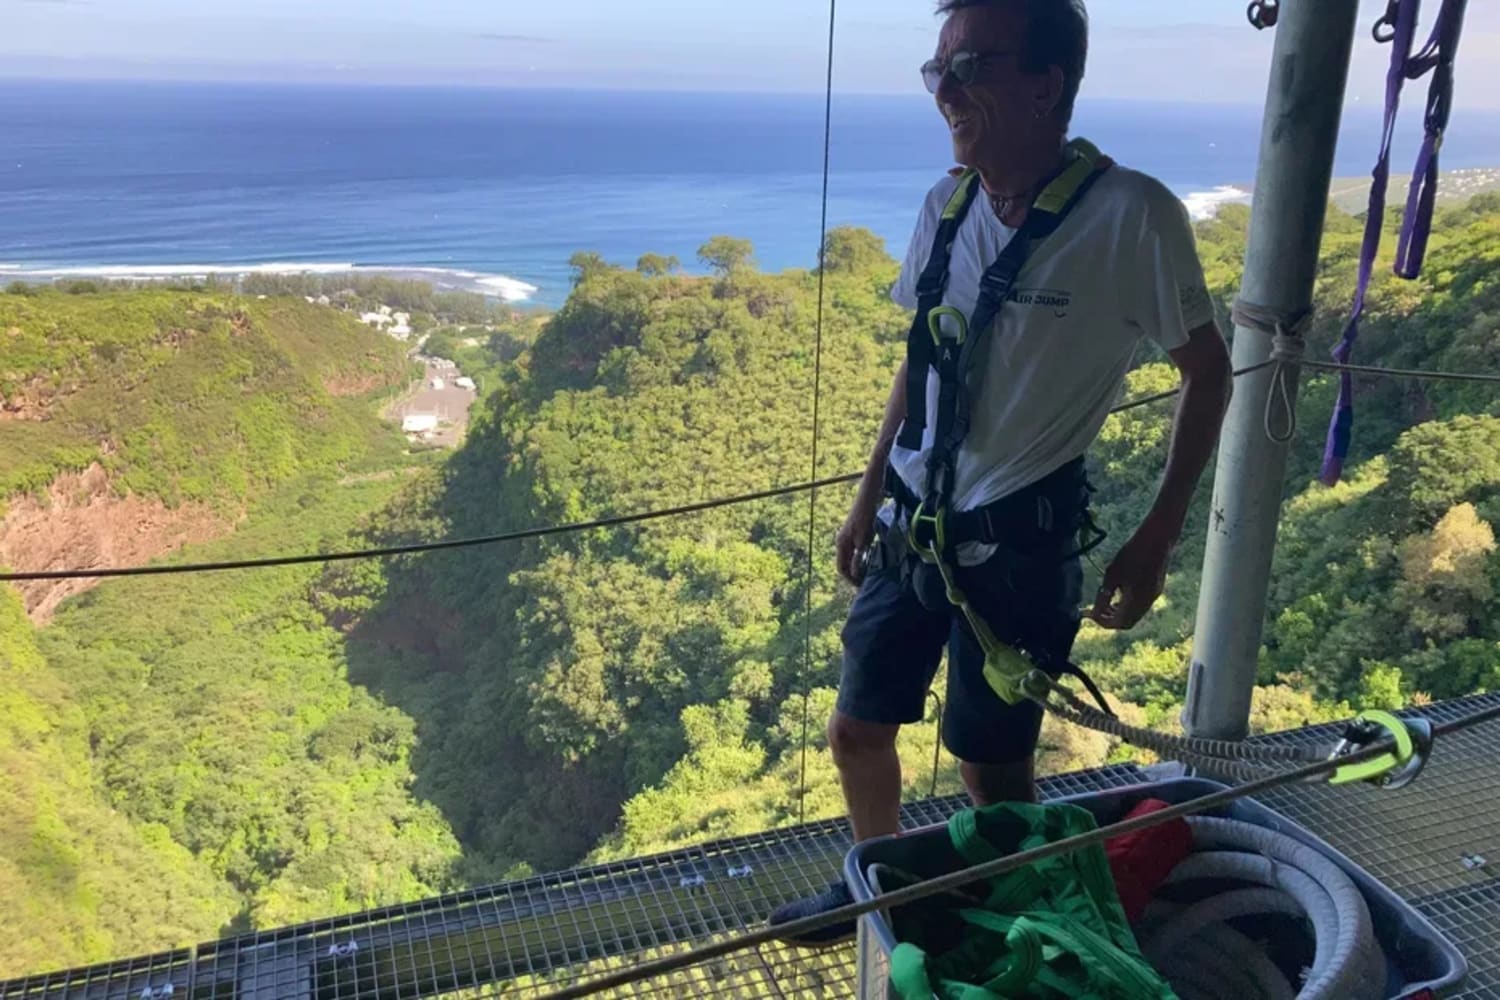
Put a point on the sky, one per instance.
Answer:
(1201, 50)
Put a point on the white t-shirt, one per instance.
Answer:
(1122, 265)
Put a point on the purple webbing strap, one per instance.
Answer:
(1438, 54)
(1437, 57)
(1336, 448)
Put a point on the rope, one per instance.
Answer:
(1238, 760)
(937, 743)
(452, 543)
(1420, 374)
(812, 495)
(651, 515)
(1286, 331)
(991, 869)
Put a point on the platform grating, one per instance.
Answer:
(1434, 843)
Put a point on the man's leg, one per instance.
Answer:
(991, 783)
(996, 742)
(892, 646)
(869, 771)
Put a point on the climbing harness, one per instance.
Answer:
(943, 338)
(1053, 929)
(1398, 27)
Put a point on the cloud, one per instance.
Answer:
(492, 36)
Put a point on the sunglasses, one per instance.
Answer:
(963, 67)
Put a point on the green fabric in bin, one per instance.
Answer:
(1053, 930)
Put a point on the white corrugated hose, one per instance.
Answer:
(1203, 956)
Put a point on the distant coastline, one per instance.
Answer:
(503, 287)
(1350, 194)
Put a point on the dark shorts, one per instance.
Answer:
(893, 645)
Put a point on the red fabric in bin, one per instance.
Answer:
(1141, 861)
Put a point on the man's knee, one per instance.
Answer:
(851, 739)
(991, 783)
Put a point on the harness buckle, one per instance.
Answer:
(1390, 770)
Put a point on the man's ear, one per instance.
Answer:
(1049, 91)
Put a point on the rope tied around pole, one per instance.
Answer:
(1287, 331)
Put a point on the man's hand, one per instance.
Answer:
(1136, 577)
(1134, 580)
(854, 539)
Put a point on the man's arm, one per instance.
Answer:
(1138, 573)
(859, 529)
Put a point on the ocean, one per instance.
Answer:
(494, 190)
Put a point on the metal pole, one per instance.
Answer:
(1304, 100)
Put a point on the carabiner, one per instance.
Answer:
(1385, 26)
(1389, 770)
(1263, 13)
(935, 324)
(930, 550)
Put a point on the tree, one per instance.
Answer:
(586, 264)
(1444, 573)
(441, 344)
(1380, 687)
(851, 250)
(654, 265)
(725, 254)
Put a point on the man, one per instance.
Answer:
(1121, 265)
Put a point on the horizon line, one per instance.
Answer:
(334, 84)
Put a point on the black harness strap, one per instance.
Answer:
(930, 288)
(995, 287)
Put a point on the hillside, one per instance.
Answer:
(185, 756)
(645, 685)
(133, 421)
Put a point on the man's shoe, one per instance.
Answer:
(835, 896)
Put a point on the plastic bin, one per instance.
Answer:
(1420, 961)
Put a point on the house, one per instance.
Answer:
(419, 423)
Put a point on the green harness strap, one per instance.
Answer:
(1053, 930)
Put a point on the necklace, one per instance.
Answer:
(1003, 203)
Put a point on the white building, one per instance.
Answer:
(419, 423)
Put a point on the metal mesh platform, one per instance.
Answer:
(1435, 842)
(1430, 842)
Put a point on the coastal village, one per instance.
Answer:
(435, 411)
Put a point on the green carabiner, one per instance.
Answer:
(1005, 666)
(928, 553)
(1382, 765)
(935, 324)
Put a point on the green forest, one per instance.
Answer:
(270, 747)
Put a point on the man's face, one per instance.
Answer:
(1000, 105)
